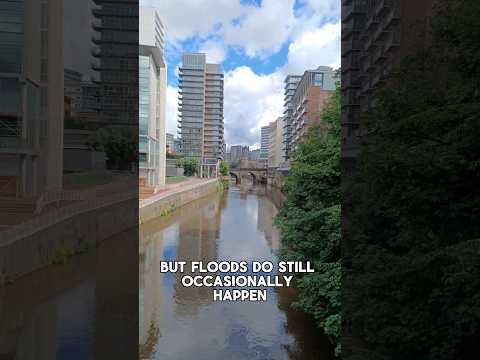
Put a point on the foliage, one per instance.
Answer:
(309, 219)
(414, 272)
(224, 168)
(119, 144)
(190, 165)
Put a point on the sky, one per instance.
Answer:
(257, 42)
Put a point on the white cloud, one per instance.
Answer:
(172, 110)
(310, 49)
(251, 101)
(326, 7)
(263, 30)
(215, 50)
(186, 18)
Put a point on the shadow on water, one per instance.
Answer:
(84, 309)
(185, 323)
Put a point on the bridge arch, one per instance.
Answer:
(236, 176)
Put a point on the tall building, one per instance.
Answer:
(275, 148)
(311, 93)
(201, 110)
(239, 152)
(376, 36)
(264, 143)
(116, 60)
(152, 97)
(254, 155)
(32, 96)
(291, 82)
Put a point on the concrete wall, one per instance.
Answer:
(38, 250)
(158, 205)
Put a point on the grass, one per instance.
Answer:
(175, 179)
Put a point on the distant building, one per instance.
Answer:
(177, 146)
(152, 98)
(291, 82)
(201, 110)
(275, 148)
(170, 140)
(254, 155)
(264, 143)
(239, 152)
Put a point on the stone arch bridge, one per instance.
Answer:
(256, 175)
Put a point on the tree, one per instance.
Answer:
(224, 168)
(190, 165)
(120, 145)
(414, 271)
(309, 219)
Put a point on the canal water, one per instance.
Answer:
(185, 323)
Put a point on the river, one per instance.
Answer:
(185, 323)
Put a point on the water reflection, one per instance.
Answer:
(85, 309)
(189, 325)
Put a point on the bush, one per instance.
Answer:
(120, 145)
(309, 220)
(190, 165)
(224, 168)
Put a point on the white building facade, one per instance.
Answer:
(152, 98)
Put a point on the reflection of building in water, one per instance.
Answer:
(116, 311)
(265, 221)
(197, 241)
(150, 281)
(57, 314)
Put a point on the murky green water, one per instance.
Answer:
(178, 323)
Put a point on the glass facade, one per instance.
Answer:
(149, 147)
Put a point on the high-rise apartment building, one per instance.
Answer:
(116, 60)
(376, 36)
(264, 143)
(201, 110)
(32, 96)
(275, 148)
(291, 82)
(152, 97)
(306, 104)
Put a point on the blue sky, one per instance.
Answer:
(258, 42)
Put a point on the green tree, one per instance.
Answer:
(190, 165)
(309, 219)
(414, 272)
(119, 144)
(224, 168)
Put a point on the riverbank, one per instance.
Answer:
(164, 203)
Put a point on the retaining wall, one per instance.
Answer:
(65, 232)
(160, 204)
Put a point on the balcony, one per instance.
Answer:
(372, 22)
(352, 44)
(378, 55)
(383, 6)
(392, 41)
(356, 7)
